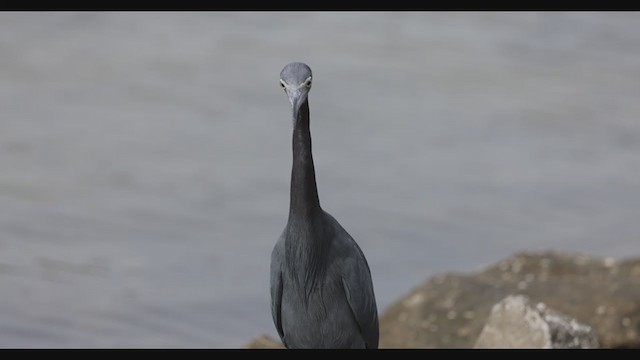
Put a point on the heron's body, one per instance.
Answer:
(321, 289)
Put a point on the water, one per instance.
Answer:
(145, 157)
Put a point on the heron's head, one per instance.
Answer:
(295, 79)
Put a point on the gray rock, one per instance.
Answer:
(515, 323)
(264, 342)
(450, 310)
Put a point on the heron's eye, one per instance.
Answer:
(282, 84)
(307, 83)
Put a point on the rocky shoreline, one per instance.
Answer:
(529, 300)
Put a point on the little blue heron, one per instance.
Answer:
(321, 289)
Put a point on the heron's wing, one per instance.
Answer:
(358, 287)
(276, 301)
(276, 290)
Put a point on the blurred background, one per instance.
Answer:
(145, 157)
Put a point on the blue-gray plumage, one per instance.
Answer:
(321, 290)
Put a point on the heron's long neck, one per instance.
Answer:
(306, 243)
(304, 204)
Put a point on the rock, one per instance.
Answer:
(515, 323)
(264, 342)
(450, 310)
